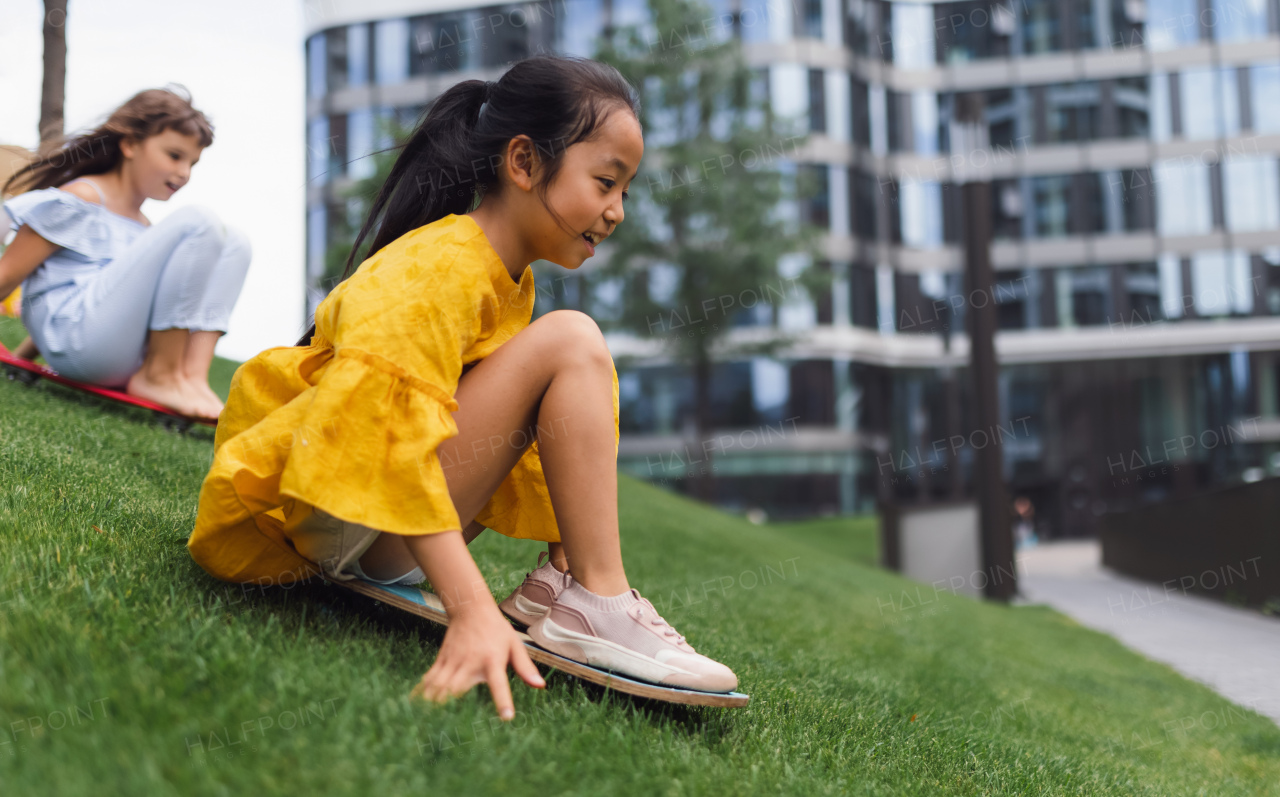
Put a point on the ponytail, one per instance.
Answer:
(451, 159)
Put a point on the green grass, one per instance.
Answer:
(125, 669)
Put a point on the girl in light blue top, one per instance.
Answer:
(108, 297)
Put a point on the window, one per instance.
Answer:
(1142, 284)
(360, 144)
(1172, 24)
(1182, 198)
(817, 102)
(1133, 106)
(1041, 27)
(336, 71)
(391, 52)
(1201, 116)
(1161, 107)
(357, 55)
(1264, 90)
(924, 122)
(1238, 20)
(1084, 296)
(912, 35)
(1006, 196)
(812, 26)
(444, 43)
(1071, 112)
(317, 149)
(578, 26)
(1252, 193)
(1220, 283)
(920, 205)
(1052, 205)
(316, 65)
(972, 30)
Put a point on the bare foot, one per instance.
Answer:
(175, 395)
(210, 402)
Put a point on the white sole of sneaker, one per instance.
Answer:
(601, 652)
(525, 610)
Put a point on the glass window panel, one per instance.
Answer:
(1142, 283)
(578, 26)
(317, 236)
(1172, 24)
(1052, 211)
(912, 31)
(1071, 111)
(1170, 267)
(1229, 101)
(336, 62)
(391, 51)
(1221, 283)
(360, 144)
(317, 148)
(1238, 20)
(1201, 113)
(1251, 189)
(1161, 113)
(920, 203)
(316, 65)
(812, 23)
(357, 55)
(1133, 106)
(924, 122)
(1182, 198)
(1264, 89)
(1041, 26)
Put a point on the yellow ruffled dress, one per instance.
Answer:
(351, 423)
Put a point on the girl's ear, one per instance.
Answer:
(520, 162)
(129, 146)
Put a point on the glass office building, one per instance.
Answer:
(1134, 151)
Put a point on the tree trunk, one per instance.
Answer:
(54, 89)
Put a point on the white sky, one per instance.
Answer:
(242, 61)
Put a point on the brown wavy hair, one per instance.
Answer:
(147, 113)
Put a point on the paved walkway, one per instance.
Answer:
(1234, 651)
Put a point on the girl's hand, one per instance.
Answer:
(478, 646)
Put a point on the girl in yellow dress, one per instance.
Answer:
(424, 407)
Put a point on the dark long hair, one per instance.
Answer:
(451, 159)
(147, 113)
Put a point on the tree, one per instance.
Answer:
(54, 86)
(714, 213)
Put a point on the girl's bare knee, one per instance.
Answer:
(574, 335)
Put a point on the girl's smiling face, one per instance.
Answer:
(588, 191)
(162, 163)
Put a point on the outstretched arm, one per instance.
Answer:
(480, 643)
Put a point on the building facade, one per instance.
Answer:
(1134, 152)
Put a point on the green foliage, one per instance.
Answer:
(708, 215)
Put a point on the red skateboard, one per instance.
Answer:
(27, 372)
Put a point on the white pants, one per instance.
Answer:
(185, 272)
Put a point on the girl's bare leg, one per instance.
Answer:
(27, 349)
(195, 367)
(161, 378)
(553, 379)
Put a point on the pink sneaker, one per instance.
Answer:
(625, 634)
(536, 593)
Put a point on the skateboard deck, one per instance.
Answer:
(427, 605)
(27, 372)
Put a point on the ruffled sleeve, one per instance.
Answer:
(383, 405)
(62, 218)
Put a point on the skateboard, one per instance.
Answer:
(27, 372)
(421, 603)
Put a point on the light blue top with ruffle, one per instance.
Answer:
(90, 237)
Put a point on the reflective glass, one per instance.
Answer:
(391, 51)
(912, 32)
(1182, 198)
(1172, 24)
(1251, 189)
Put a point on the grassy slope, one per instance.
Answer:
(172, 666)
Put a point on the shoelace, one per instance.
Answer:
(658, 621)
